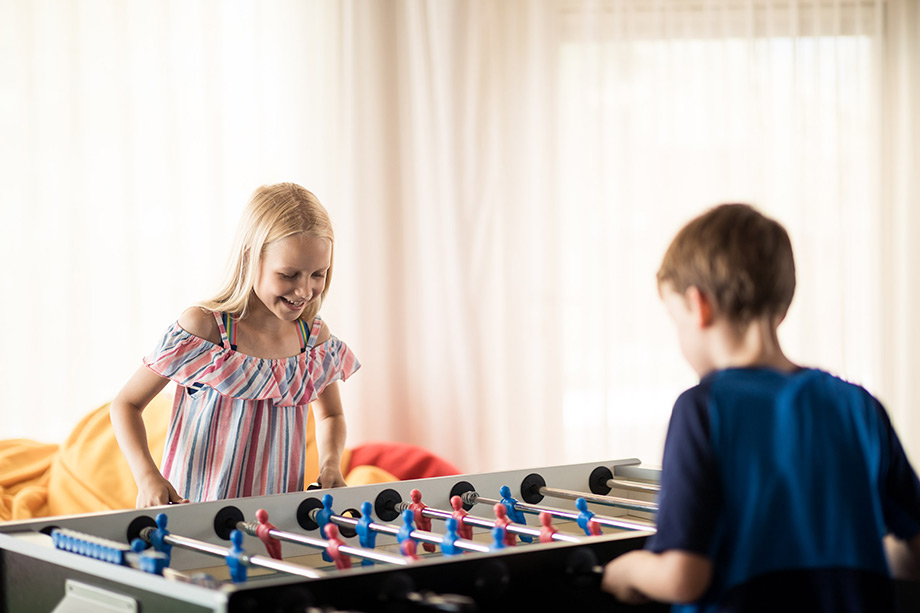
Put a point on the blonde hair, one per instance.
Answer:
(274, 212)
(739, 258)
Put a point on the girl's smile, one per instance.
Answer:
(296, 306)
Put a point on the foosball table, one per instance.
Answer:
(521, 538)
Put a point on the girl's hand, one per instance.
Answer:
(331, 477)
(156, 490)
(330, 436)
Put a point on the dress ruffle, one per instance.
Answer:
(193, 362)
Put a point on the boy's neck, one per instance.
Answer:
(754, 345)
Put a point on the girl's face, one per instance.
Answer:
(292, 274)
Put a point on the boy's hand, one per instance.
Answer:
(615, 582)
(156, 490)
(670, 576)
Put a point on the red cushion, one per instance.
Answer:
(402, 460)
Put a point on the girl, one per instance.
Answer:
(248, 364)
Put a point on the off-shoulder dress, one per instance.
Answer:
(238, 422)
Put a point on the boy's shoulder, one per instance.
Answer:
(200, 322)
(752, 394)
(743, 379)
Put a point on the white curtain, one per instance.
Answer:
(503, 178)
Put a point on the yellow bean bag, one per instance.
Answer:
(88, 473)
(24, 473)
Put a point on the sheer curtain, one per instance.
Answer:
(133, 133)
(686, 104)
(503, 178)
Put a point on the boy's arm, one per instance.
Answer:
(330, 436)
(669, 570)
(901, 503)
(903, 557)
(670, 576)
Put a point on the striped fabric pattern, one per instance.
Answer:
(238, 422)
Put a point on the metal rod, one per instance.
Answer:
(418, 535)
(293, 537)
(613, 522)
(282, 566)
(610, 501)
(245, 559)
(635, 486)
(483, 522)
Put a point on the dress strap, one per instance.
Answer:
(314, 331)
(304, 335)
(227, 326)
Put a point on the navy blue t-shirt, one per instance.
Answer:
(788, 482)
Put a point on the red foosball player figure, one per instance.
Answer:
(594, 528)
(501, 520)
(407, 548)
(465, 531)
(272, 545)
(332, 547)
(423, 523)
(407, 545)
(548, 530)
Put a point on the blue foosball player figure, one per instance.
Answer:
(584, 515)
(149, 561)
(449, 540)
(323, 517)
(366, 536)
(158, 537)
(514, 514)
(407, 544)
(498, 538)
(234, 558)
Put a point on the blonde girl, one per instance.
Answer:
(248, 365)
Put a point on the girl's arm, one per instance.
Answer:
(670, 576)
(128, 424)
(330, 436)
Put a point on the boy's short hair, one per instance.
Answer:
(739, 258)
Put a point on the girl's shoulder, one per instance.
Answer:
(200, 322)
(324, 334)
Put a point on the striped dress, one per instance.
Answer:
(238, 422)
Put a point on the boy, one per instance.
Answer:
(779, 484)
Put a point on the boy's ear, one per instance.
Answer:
(700, 307)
